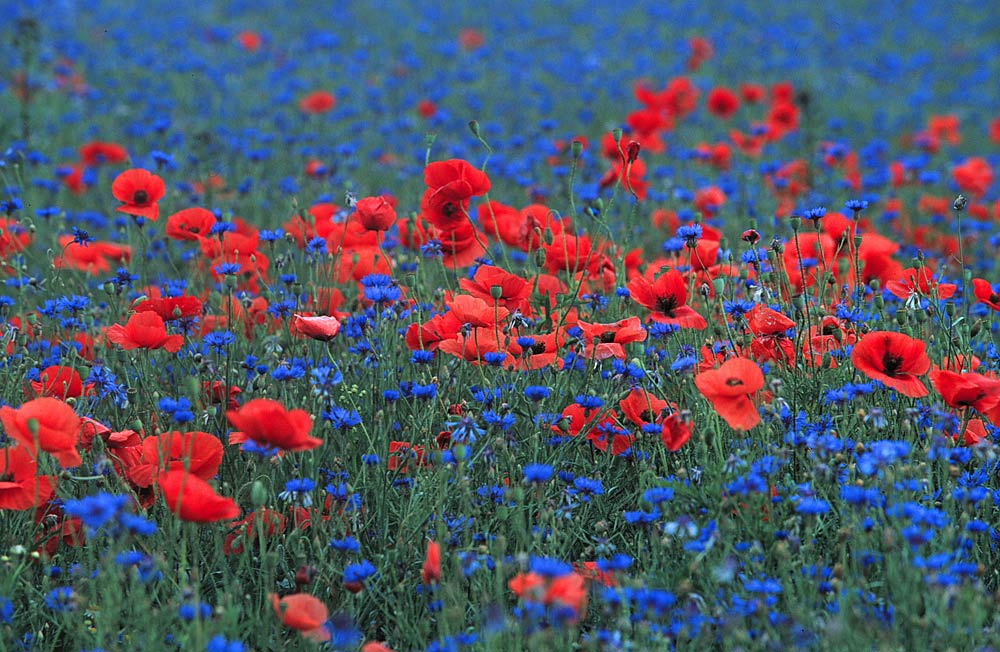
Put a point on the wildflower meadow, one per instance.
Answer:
(456, 327)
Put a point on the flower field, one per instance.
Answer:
(378, 327)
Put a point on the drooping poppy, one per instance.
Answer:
(320, 328)
(267, 422)
(192, 499)
(302, 612)
(728, 389)
(666, 298)
(431, 571)
(375, 213)
(895, 359)
(47, 423)
(138, 190)
(144, 330)
(20, 485)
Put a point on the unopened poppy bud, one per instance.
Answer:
(258, 494)
(857, 241)
(632, 152)
(540, 258)
(616, 133)
(976, 327)
(901, 317)
(796, 222)
(949, 309)
(718, 285)
(474, 128)
(878, 302)
(576, 148)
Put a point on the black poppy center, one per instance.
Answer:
(733, 382)
(140, 197)
(891, 364)
(667, 305)
(607, 337)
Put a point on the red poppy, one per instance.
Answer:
(641, 408)
(472, 347)
(375, 646)
(323, 329)
(752, 93)
(985, 294)
(192, 499)
(603, 341)
(20, 485)
(477, 312)
(249, 41)
(722, 102)
(401, 453)
(675, 432)
(916, 283)
(893, 358)
(975, 433)
(317, 102)
(144, 330)
(701, 51)
(375, 213)
(139, 190)
(728, 388)
(171, 308)
(514, 291)
(429, 335)
(190, 224)
(667, 299)
(97, 153)
(450, 186)
(61, 382)
(198, 452)
(963, 390)
(49, 422)
(770, 341)
(245, 530)
(568, 591)
(267, 422)
(431, 571)
(973, 176)
(94, 258)
(304, 613)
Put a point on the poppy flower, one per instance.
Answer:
(323, 329)
(916, 283)
(317, 102)
(963, 390)
(893, 358)
(267, 422)
(20, 485)
(144, 330)
(97, 153)
(94, 258)
(514, 291)
(61, 382)
(431, 571)
(450, 186)
(138, 190)
(602, 341)
(375, 213)
(192, 499)
(770, 341)
(245, 529)
(199, 452)
(722, 102)
(48, 422)
(171, 308)
(375, 646)
(477, 312)
(674, 432)
(190, 224)
(429, 335)
(666, 297)
(304, 613)
(641, 408)
(985, 294)
(568, 591)
(475, 346)
(728, 388)
(973, 176)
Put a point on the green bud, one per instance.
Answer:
(576, 149)
(496, 292)
(258, 494)
(901, 317)
(718, 286)
(474, 128)
(540, 258)
(795, 221)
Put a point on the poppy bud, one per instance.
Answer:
(304, 575)
(616, 133)
(576, 149)
(796, 222)
(632, 152)
(474, 128)
(718, 285)
(540, 258)
(258, 494)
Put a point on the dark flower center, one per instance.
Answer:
(449, 209)
(6, 477)
(538, 347)
(891, 364)
(666, 305)
(607, 337)
(140, 197)
(994, 298)
(733, 382)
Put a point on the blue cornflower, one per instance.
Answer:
(347, 544)
(194, 610)
(538, 473)
(81, 237)
(550, 567)
(358, 573)
(61, 598)
(227, 269)
(341, 418)
(218, 643)
(96, 511)
(856, 205)
(380, 288)
(812, 506)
